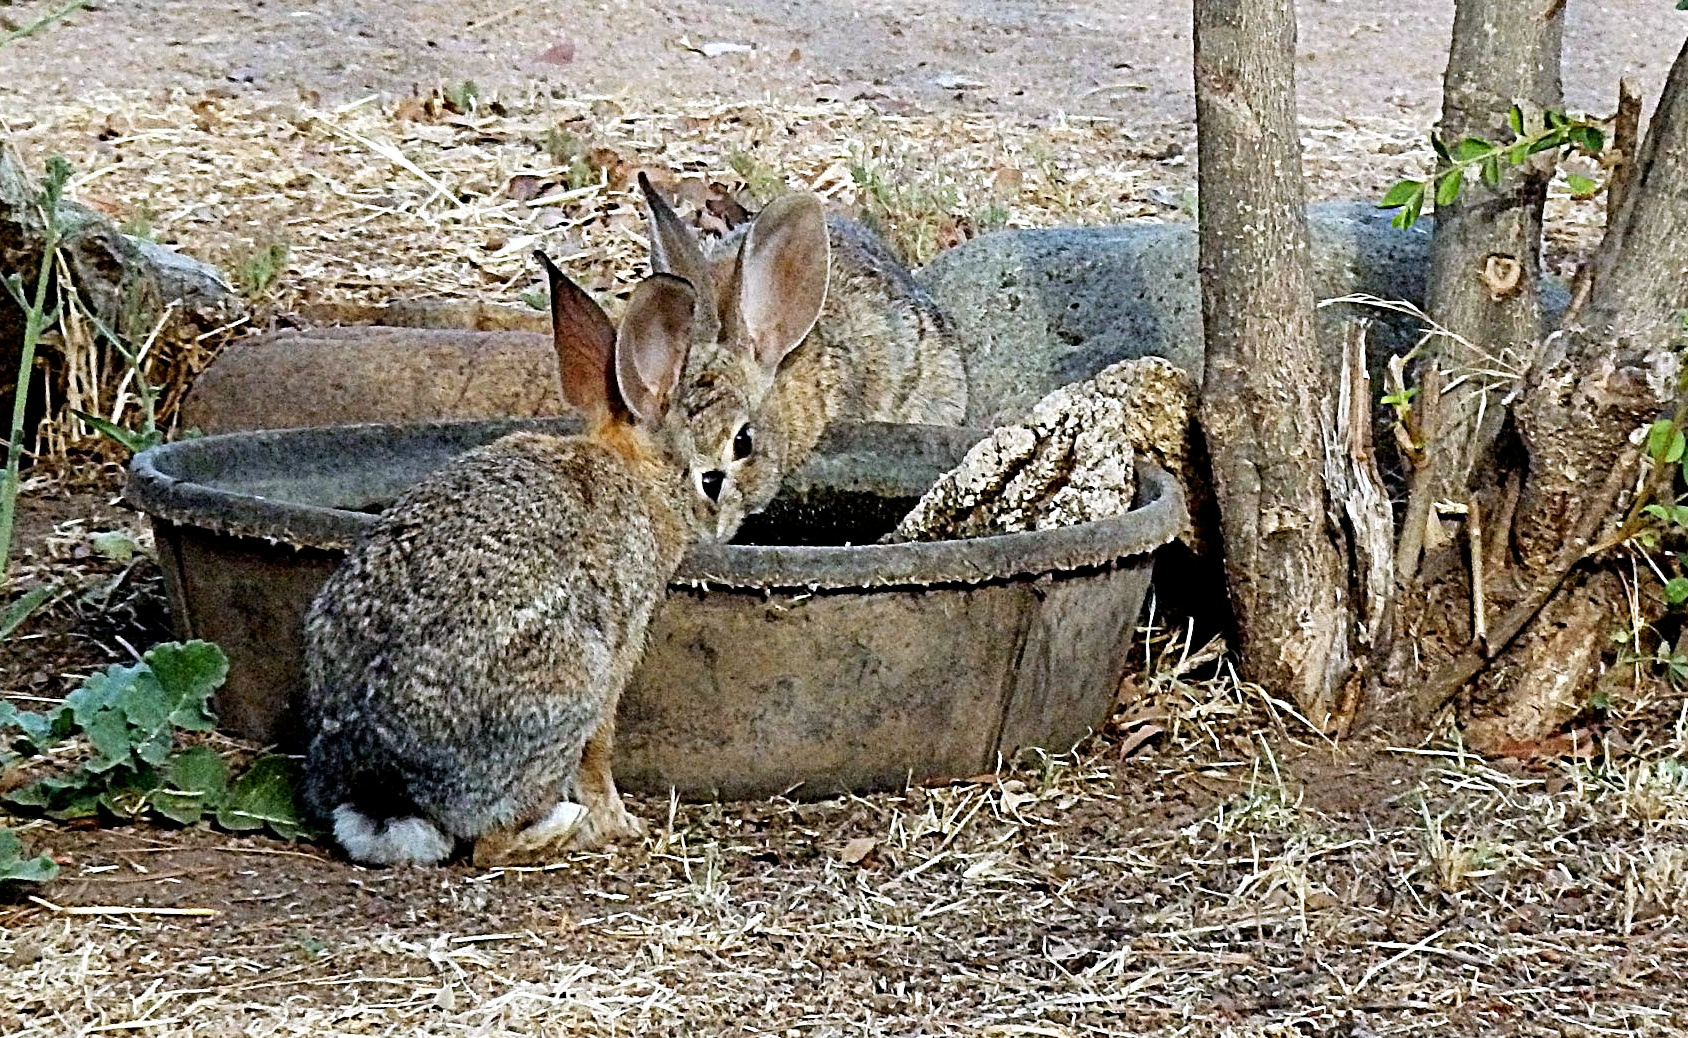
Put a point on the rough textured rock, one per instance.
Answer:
(1069, 461)
(1038, 309)
(465, 314)
(120, 278)
(336, 376)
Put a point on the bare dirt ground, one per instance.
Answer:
(1206, 866)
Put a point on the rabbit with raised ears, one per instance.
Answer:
(463, 665)
(882, 349)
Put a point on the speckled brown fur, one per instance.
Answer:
(882, 350)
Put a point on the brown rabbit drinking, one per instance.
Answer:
(882, 349)
(462, 666)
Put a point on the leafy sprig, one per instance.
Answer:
(1489, 161)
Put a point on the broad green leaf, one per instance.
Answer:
(264, 795)
(1548, 143)
(42, 731)
(1471, 148)
(1448, 188)
(15, 868)
(189, 672)
(1515, 119)
(195, 784)
(24, 607)
(65, 798)
(1678, 444)
(1581, 186)
(108, 732)
(1591, 139)
(32, 728)
(1402, 193)
(1555, 119)
(127, 791)
(1516, 154)
(1676, 590)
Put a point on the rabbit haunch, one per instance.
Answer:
(462, 666)
(882, 350)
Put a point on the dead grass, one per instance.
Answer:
(1199, 868)
(1206, 866)
(376, 200)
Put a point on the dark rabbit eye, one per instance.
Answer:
(742, 443)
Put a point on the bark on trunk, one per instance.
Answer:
(1263, 393)
(1485, 258)
(1613, 369)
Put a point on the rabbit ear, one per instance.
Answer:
(782, 276)
(650, 351)
(585, 341)
(674, 246)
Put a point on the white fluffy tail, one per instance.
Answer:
(397, 841)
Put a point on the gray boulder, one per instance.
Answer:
(1039, 309)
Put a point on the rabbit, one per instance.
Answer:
(882, 349)
(463, 664)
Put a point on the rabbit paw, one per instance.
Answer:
(531, 844)
(606, 824)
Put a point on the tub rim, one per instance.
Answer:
(1158, 517)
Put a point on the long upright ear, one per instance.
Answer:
(585, 341)
(782, 276)
(674, 247)
(650, 351)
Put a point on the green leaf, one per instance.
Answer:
(24, 606)
(1402, 193)
(116, 545)
(131, 441)
(37, 729)
(15, 868)
(127, 791)
(188, 673)
(1448, 188)
(264, 795)
(1518, 152)
(1441, 147)
(66, 798)
(1548, 143)
(1676, 590)
(1515, 119)
(1555, 119)
(1658, 437)
(1678, 445)
(1581, 186)
(195, 784)
(1472, 148)
(1492, 170)
(108, 732)
(1589, 138)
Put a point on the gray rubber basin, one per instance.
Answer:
(808, 662)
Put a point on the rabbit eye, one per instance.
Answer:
(742, 443)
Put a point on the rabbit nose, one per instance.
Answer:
(712, 481)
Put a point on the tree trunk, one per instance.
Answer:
(1485, 258)
(1614, 368)
(1262, 409)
